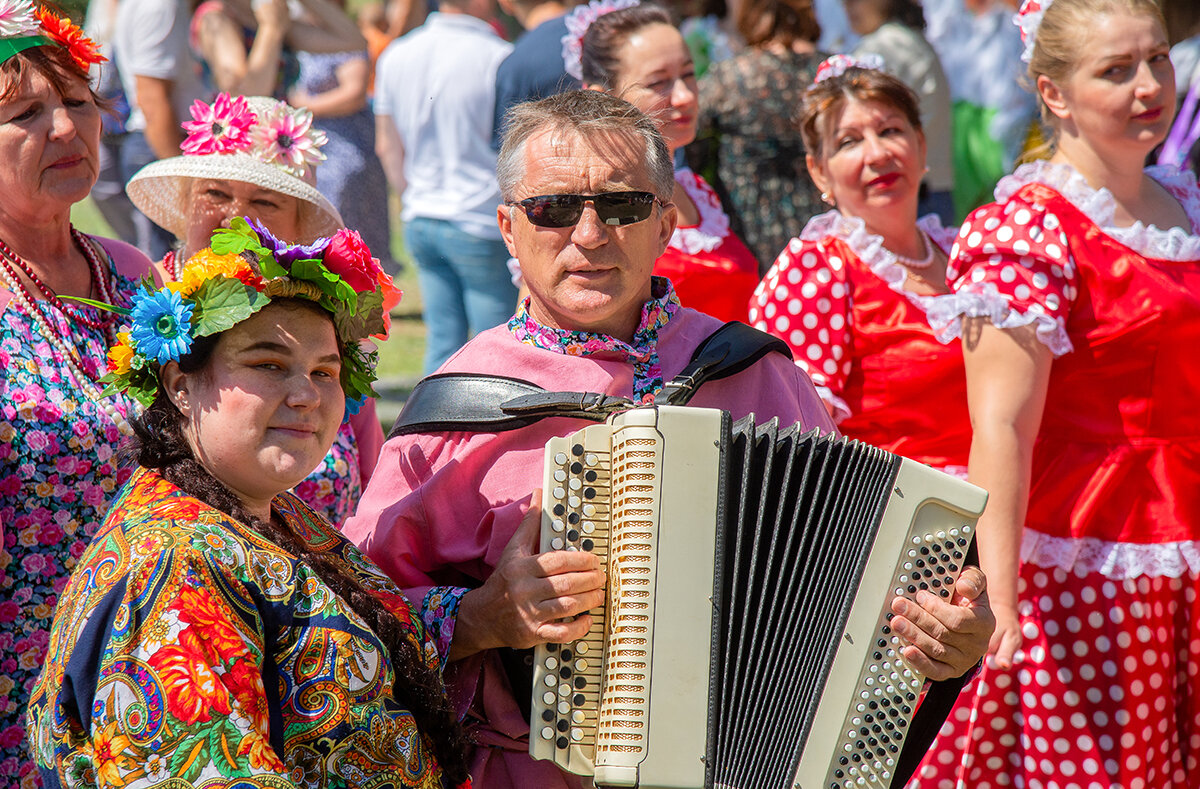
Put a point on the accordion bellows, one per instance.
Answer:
(744, 642)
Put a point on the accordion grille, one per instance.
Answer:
(622, 730)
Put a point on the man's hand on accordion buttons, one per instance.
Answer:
(531, 598)
(946, 638)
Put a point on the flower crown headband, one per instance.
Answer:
(1029, 19)
(578, 22)
(24, 24)
(282, 136)
(240, 273)
(836, 66)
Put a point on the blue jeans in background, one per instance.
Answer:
(465, 285)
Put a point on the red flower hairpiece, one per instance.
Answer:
(66, 34)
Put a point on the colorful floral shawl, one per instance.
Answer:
(187, 646)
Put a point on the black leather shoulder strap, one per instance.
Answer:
(494, 403)
(727, 351)
(452, 400)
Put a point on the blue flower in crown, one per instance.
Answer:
(162, 325)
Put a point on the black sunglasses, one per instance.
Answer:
(613, 208)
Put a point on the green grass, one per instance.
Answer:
(400, 357)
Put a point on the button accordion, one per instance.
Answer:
(744, 641)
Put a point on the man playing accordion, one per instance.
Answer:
(586, 180)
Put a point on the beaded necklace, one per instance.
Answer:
(21, 295)
(99, 276)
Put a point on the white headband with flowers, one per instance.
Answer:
(282, 136)
(577, 22)
(836, 65)
(1029, 19)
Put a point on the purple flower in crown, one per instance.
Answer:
(17, 19)
(286, 137)
(836, 66)
(1029, 19)
(222, 127)
(285, 253)
(577, 22)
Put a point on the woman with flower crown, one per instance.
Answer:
(635, 53)
(1079, 291)
(217, 632)
(257, 157)
(57, 436)
(855, 294)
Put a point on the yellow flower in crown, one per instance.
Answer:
(206, 265)
(120, 356)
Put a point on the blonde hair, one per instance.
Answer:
(1060, 42)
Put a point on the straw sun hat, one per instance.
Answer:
(255, 140)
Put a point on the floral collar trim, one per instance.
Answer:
(642, 353)
(869, 248)
(1099, 206)
(714, 223)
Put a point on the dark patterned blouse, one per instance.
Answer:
(748, 105)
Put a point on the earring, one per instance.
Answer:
(827, 198)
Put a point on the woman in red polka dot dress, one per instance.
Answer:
(1081, 287)
(853, 294)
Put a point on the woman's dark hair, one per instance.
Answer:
(907, 13)
(823, 100)
(604, 38)
(783, 21)
(159, 444)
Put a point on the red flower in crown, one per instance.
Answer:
(67, 35)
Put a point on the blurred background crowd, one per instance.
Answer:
(753, 59)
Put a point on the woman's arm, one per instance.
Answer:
(1007, 375)
(235, 70)
(326, 29)
(347, 98)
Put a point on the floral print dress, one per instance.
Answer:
(190, 650)
(748, 106)
(58, 471)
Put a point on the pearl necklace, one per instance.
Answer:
(74, 365)
(924, 262)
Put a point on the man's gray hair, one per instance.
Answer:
(588, 113)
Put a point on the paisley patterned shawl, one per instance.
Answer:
(187, 646)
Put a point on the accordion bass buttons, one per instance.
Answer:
(575, 517)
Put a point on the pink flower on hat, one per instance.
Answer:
(223, 127)
(285, 137)
(17, 19)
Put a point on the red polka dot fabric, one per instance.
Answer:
(1019, 252)
(804, 299)
(1106, 689)
(1102, 695)
(836, 295)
